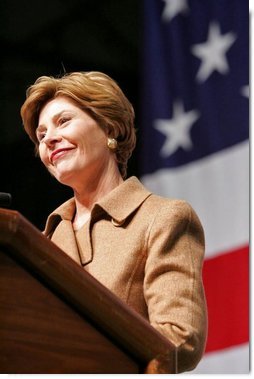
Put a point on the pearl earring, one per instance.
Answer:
(112, 143)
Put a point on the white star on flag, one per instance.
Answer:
(245, 91)
(172, 8)
(177, 129)
(213, 52)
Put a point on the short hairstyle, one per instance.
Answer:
(93, 92)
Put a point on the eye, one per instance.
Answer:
(40, 135)
(63, 120)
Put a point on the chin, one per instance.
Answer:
(63, 177)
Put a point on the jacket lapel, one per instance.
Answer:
(64, 238)
(118, 204)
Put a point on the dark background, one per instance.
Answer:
(48, 38)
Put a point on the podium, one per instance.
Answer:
(55, 318)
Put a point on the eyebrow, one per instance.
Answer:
(54, 118)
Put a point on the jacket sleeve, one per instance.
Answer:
(173, 285)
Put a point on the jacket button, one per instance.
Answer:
(117, 223)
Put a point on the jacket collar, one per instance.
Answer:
(63, 212)
(123, 200)
(118, 204)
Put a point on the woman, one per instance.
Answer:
(146, 249)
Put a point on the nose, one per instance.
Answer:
(51, 138)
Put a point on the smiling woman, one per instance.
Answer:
(146, 249)
(97, 95)
(72, 146)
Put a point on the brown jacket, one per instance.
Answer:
(149, 251)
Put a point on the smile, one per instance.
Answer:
(59, 153)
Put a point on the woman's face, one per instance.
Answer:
(71, 144)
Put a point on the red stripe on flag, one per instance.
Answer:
(226, 281)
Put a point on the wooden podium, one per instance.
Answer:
(56, 318)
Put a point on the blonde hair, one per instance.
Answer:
(95, 93)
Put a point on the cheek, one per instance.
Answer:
(42, 155)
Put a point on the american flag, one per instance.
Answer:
(194, 145)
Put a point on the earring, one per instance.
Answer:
(112, 143)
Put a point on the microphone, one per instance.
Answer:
(5, 199)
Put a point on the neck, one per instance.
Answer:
(91, 192)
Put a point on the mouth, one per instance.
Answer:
(59, 153)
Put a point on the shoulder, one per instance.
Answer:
(153, 205)
(176, 207)
(134, 186)
(171, 212)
